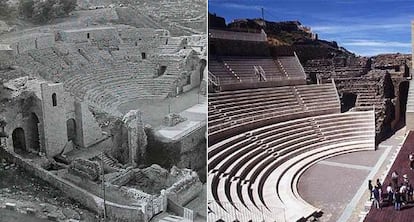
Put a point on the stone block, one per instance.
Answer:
(30, 211)
(11, 206)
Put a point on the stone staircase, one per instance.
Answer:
(107, 160)
(165, 217)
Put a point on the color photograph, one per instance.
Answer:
(310, 111)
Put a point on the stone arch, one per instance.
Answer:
(33, 137)
(71, 129)
(348, 100)
(19, 140)
(203, 64)
(313, 78)
(54, 99)
(402, 96)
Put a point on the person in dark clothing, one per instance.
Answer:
(379, 185)
(370, 187)
(397, 200)
(376, 194)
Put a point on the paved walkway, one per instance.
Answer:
(401, 165)
(337, 185)
(155, 110)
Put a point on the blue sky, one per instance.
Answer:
(364, 27)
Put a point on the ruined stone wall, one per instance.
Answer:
(185, 190)
(30, 42)
(189, 141)
(149, 36)
(185, 153)
(116, 212)
(54, 127)
(18, 115)
(129, 139)
(7, 55)
(195, 69)
(88, 130)
(94, 34)
(120, 142)
(139, 40)
(137, 138)
(69, 106)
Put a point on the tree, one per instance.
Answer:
(42, 11)
(6, 11)
(68, 5)
(26, 8)
(3, 7)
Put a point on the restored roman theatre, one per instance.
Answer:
(111, 113)
(294, 135)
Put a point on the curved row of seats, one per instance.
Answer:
(291, 66)
(234, 112)
(106, 81)
(108, 88)
(254, 175)
(244, 66)
(241, 69)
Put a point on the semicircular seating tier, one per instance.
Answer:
(254, 175)
(264, 71)
(234, 112)
(109, 87)
(106, 81)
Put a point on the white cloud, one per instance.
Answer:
(346, 28)
(240, 6)
(374, 43)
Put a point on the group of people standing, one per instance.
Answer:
(397, 193)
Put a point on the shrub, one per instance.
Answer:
(40, 11)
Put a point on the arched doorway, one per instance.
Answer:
(403, 95)
(19, 140)
(348, 101)
(203, 64)
(313, 78)
(71, 129)
(33, 127)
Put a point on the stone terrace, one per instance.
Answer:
(245, 170)
(233, 112)
(401, 165)
(106, 80)
(233, 70)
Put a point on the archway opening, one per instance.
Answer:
(33, 125)
(19, 140)
(403, 95)
(348, 101)
(71, 129)
(203, 64)
(54, 99)
(313, 78)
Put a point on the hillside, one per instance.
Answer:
(179, 17)
(285, 35)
